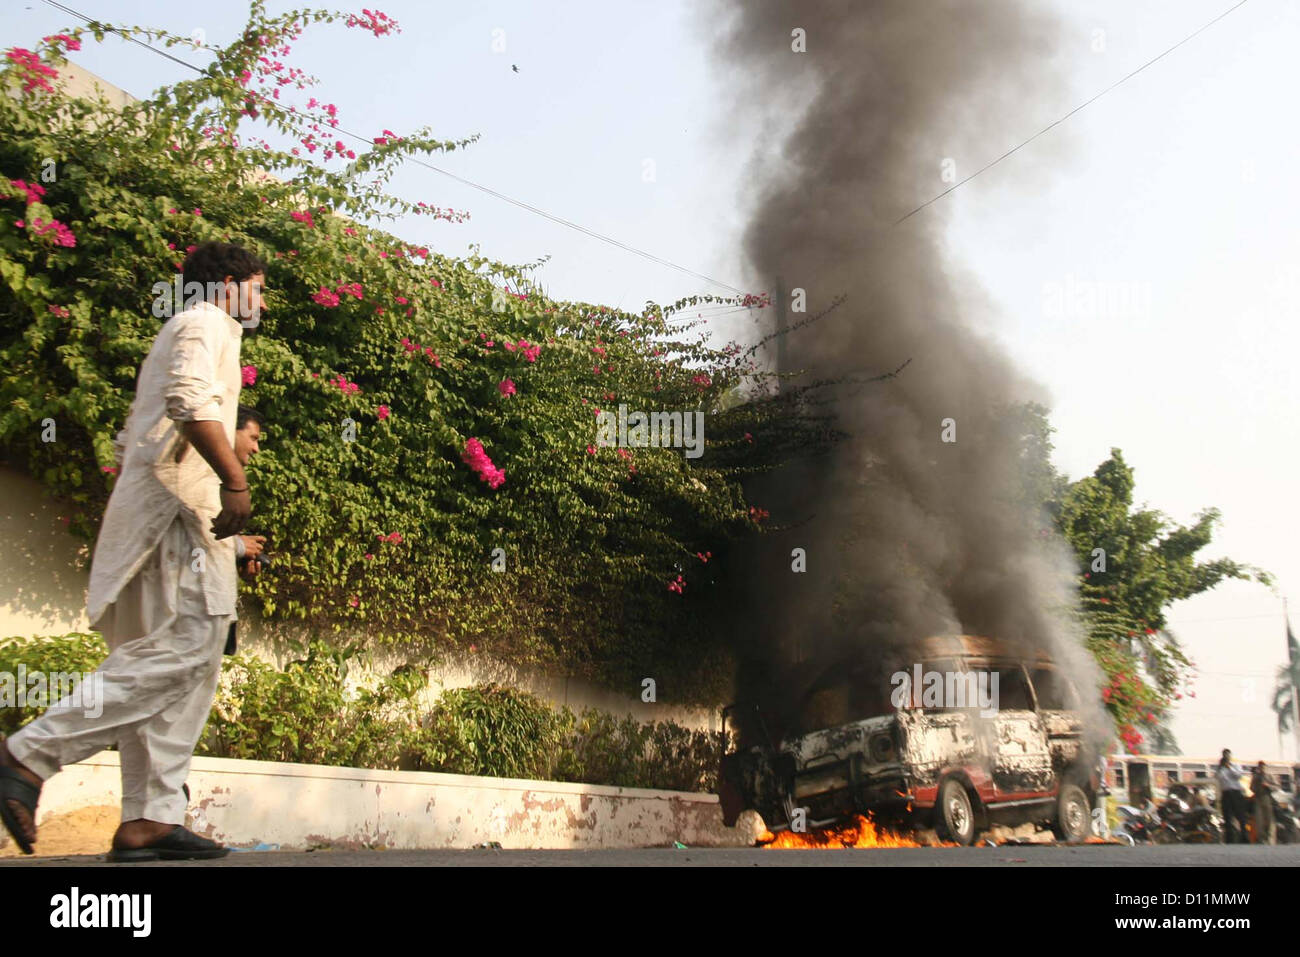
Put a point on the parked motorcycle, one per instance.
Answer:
(1190, 820)
(1142, 825)
(1183, 818)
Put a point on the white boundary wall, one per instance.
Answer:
(265, 805)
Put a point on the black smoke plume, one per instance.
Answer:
(905, 535)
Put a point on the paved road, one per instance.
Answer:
(1006, 856)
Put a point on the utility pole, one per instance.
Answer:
(1293, 661)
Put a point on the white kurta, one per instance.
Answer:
(192, 373)
(164, 612)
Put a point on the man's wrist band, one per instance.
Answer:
(229, 489)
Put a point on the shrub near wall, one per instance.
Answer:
(303, 714)
(61, 654)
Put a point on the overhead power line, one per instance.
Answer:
(460, 179)
(1088, 102)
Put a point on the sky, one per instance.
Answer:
(1147, 275)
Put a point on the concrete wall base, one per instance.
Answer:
(263, 805)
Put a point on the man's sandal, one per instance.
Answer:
(178, 844)
(15, 787)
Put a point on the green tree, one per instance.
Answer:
(1133, 562)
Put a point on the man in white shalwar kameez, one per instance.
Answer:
(162, 580)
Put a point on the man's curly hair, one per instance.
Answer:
(212, 262)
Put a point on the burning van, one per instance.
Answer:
(968, 734)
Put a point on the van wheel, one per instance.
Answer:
(1073, 816)
(954, 817)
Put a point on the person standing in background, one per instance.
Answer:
(1262, 787)
(1233, 798)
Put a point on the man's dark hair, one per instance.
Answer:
(247, 413)
(213, 262)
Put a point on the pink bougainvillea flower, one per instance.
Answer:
(197, 211)
(38, 74)
(34, 191)
(382, 412)
(325, 297)
(19, 223)
(343, 385)
(110, 469)
(72, 43)
(249, 374)
(591, 450)
(62, 234)
(354, 602)
(304, 218)
(476, 457)
(60, 311)
(506, 387)
(370, 556)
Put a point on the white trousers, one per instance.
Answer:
(158, 684)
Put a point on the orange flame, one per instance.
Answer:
(862, 833)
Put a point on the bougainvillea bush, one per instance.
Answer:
(430, 474)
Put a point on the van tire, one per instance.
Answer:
(1073, 814)
(954, 817)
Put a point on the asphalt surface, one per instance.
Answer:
(1037, 855)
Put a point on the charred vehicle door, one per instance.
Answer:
(1059, 707)
(938, 739)
(1022, 765)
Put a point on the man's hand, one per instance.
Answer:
(235, 509)
(209, 438)
(254, 545)
(249, 569)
